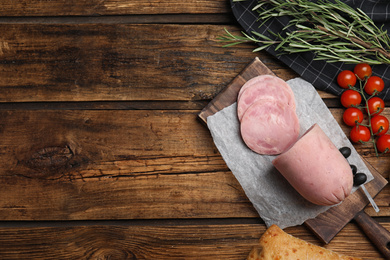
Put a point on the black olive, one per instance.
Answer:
(354, 169)
(359, 179)
(345, 151)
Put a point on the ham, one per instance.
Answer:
(316, 168)
(263, 87)
(254, 81)
(269, 126)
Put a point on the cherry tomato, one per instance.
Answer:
(350, 98)
(373, 85)
(383, 143)
(362, 71)
(360, 133)
(375, 105)
(352, 115)
(379, 124)
(346, 79)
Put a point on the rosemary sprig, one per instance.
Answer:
(334, 31)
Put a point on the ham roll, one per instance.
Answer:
(316, 168)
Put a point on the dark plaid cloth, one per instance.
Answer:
(320, 73)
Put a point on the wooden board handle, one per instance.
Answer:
(375, 232)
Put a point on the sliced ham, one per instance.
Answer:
(254, 81)
(263, 90)
(269, 126)
(263, 87)
(316, 168)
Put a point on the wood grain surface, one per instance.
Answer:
(191, 241)
(102, 153)
(114, 62)
(111, 7)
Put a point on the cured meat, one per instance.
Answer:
(263, 90)
(269, 127)
(263, 87)
(253, 81)
(316, 168)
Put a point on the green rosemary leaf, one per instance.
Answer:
(261, 48)
(262, 36)
(231, 44)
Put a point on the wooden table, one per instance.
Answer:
(102, 154)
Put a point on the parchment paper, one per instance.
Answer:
(272, 196)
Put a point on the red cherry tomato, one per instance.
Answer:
(379, 124)
(360, 133)
(383, 143)
(350, 98)
(375, 105)
(346, 79)
(373, 85)
(362, 71)
(352, 115)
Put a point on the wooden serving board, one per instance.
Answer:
(328, 224)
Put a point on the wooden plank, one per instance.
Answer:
(158, 196)
(107, 105)
(84, 139)
(205, 18)
(110, 7)
(159, 242)
(119, 62)
(60, 165)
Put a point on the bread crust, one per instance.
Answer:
(275, 244)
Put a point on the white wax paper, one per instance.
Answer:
(272, 196)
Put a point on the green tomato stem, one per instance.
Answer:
(361, 91)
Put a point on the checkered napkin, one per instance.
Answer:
(320, 73)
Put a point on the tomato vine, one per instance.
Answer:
(375, 128)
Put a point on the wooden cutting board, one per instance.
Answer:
(328, 224)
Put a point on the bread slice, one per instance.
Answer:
(275, 244)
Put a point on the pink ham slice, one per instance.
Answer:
(254, 81)
(316, 168)
(269, 127)
(263, 87)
